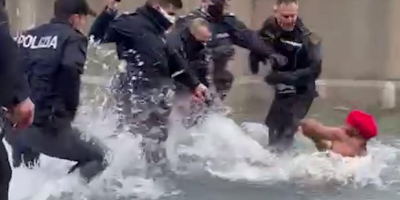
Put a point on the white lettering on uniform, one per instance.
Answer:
(222, 35)
(32, 42)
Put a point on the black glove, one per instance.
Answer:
(278, 60)
(254, 61)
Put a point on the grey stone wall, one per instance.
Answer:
(360, 43)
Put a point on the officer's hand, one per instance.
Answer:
(199, 93)
(22, 114)
(112, 4)
(278, 59)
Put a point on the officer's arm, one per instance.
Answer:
(313, 71)
(254, 58)
(101, 26)
(13, 84)
(72, 66)
(179, 69)
(246, 38)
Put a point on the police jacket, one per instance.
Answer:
(54, 55)
(195, 52)
(140, 40)
(228, 31)
(13, 84)
(303, 50)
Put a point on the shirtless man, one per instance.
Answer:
(349, 140)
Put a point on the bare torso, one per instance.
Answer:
(347, 150)
(345, 146)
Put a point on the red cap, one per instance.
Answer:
(363, 122)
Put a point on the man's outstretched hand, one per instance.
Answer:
(21, 115)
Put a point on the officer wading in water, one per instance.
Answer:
(14, 96)
(191, 43)
(294, 82)
(54, 55)
(145, 89)
(227, 31)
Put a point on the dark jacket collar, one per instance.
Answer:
(60, 21)
(63, 21)
(160, 22)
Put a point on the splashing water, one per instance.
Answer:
(217, 147)
(225, 150)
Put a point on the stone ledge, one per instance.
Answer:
(353, 93)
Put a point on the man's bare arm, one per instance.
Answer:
(317, 131)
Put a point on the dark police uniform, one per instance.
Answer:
(13, 90)
(227, 31)
(145, 90)
(54, 55)
(195, 52)
(294, 83)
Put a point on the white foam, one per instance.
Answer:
(226, 151)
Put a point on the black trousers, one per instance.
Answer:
(64, 142)
(222, 78)
(284, 116)
(5, 172)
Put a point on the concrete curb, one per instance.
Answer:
(368, 92)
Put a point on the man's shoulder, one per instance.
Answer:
(313, 37)
(269, 28)
(192, 15)
(230, 15)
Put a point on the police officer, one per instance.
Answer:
(294, 83)
(54, 55)
(14, 92)
(145, 89)
(191, 44)
(227, 31)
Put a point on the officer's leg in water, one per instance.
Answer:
(21, 153)
(222, 78)
(154, 128)
(146, 112)
(283, 119)
(66, 142)
(122, 96)
(5, 172)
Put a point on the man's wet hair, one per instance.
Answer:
(164, 3)
(280, 2)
